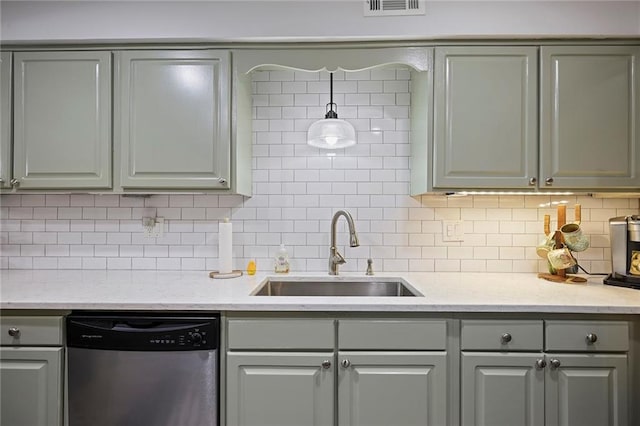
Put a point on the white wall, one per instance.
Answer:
(256, 19)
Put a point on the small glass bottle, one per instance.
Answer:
(281, 264)
(251, 267)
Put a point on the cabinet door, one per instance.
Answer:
(5, 119)
(62, 119)
(392, 388)
(173, 119)
(485, 117)
(502, 389)
(586, 390)
(30, 386)
(280, 389)
(590, 116)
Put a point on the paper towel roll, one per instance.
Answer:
(225, 250)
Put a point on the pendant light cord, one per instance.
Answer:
(330, 112)
(331, 88)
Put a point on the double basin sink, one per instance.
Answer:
(338, 286)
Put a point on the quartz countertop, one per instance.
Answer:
(443, 292)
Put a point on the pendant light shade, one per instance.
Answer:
(331, 132)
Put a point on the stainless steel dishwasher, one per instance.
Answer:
(141, 369)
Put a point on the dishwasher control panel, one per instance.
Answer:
(142, 332)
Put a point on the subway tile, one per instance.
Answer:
(57, 200)
(45, 237)
(20, 213)
(106, 250)
(32, 225)
(45, 213)
(41, 263)
(69, 238)
(82, 200)
(70, 263)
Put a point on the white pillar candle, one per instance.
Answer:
(225, 250)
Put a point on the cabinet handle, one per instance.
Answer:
(541, 364)
(14, 332)
(548, 181)
(532, 181)
(346, 363)
(14, 182)
(592, 338)
(222, 181)
(506, 338)
(326, 364)
(555, 363)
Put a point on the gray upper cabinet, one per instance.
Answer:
(62, 119)
(5, 119)
(590, 117)
(172, 125)
(485, 117)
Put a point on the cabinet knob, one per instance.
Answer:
(592, 338)
(555, 363)
(222, 181)
(548, 181)
(326, 364)
(506, 338)
(533, 181)
(14, 182)
(1, 181)
(345, 363)
(541, 364)
(14, 332)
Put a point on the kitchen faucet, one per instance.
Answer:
(335, 258)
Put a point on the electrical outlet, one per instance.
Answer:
(153, 227)
(452, 230)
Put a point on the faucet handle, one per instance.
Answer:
(338, 259)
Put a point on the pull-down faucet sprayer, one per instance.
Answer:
(335, 258)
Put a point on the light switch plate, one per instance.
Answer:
(452, 230)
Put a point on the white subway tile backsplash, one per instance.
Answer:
(297, 188)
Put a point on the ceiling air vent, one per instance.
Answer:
(393, 7)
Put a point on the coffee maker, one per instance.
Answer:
(625, 251)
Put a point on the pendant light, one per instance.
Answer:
(331, 132)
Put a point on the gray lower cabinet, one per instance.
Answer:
(392, 388)
(62, 119)
(577, 377)
(485, 117)
(172, 122)
(590, 135)
(31, 365)
(5, 120)
(290, 377)
(280, 389)
(31, 386)
(502, 389)
(586, 390)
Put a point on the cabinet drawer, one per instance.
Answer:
(588, 336)
(31, 331)
(281, 334)
(392, 334)
(488, 335)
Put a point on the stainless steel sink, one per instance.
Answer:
(379, 287)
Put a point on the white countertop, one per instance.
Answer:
(443, 292)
